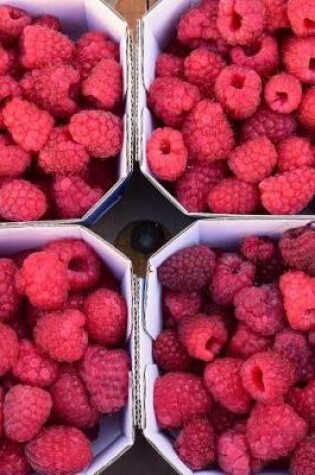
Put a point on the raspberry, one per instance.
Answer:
(9, 348)
(258, 249)
(166, 153)
(34, 368)
(232, 274)
(270, 124)
(9, 88)
(42, 46)
(43, 280)
(295, 152)
(59, 450)
(198, 24)
(289, 192)
(207, 133)
(6, 60)
(105, 373)
(13, 160)
(12, 23)
(283, 93)
(178, 398)
(238, 89)
(298, 290)
(298, 56)
(83, 264)
(276, 14)
(52, 88)
(233, 196)
(297, 247)
(12, 459)
(50, 21)
(171, 99)
(303, 459)
(169, 65)
(274, 430)
(302, 400)
(262, 56)
(181, 304)
(302, 17)
(241, 22)
(106, 314)
(202, 67)
(20, 200)
(169, 354)
(306, 113)
(195, 444)
(188, 270)
(61, 335)
(100, 132)
(9, 297)
(222, 378)
(221, 419)
(245, 343)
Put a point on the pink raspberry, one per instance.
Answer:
(262, 56)
(238, 89)
(297, 248)
(302, 17)
(298, 57)
(303, 459)
(289, 192)
(258, 249)
(12, 23)
(13, 160)
(233, 196)
(207, 133)
(276, 14)
(241, 22)
(166, 153)
(306, 112)
(171, 99)
(245, 342)
(303, 402)
(50, 21)
(295, 152)
(222, 379)
(181, 304)
(169, 65)
(12, 458)
(202, 67)
(283, 93)
(20, 200)
(9, 348)
(169, 353)
(198, 24)
(9, 297)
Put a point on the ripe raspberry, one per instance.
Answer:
(188, 270)
(283, 93)
(258, 249)
(13, 160)
(306, 113)
(198, 24)
(245, 343)
(12, 459)
(100, 132)
(207, 133)
(20, 200)
(105, 373)
(61, 335)
(181, 304)
(195, 444)
(34, 368)
(268, 123)
(52, 88)
(262, 56)
(276, 14)
(12, 23)
(232, 196)
(169, 354)
(303, 402)
(232, 273)
(298, 56)
(297, 247)
(295, 152)
(50, 21)
(169, 65)
(302, 17)
(59, 450)
(221, 419)
(166, 154)
(9, 348)
(303, 459)
(202, 67)
(171, 99)
(43, 280)
(178, 398)
(9, 297)
(241, 22)
(289, 192)
(274, 430)
(222, 378)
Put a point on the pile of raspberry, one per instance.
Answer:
(234, 99)
(63, 359)
(236, 389)
(60, 118)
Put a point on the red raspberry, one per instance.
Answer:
(262, 56)
(195, 444)
(276, 14)
(302, 17)
(105, 373)
(241, 22)
(59, 450)
(245, 342)
(178, 398)
(202, 67)
(34, 368)
(295, 152)
(283, 93)
(52, 88)
(274, 430)
(100, 132)
(169, 354)
(289, 192)
(232, 196)
(20, 200)
(61, 335)
(258, 249)
(298, 57)
(12, 459)
(303, 402)
(188, 270)
(171, 99)
(222, 378)
(303, 459)
(12, 23)
(13, 160)
(207, 133)
(9, 297)
(42, 46)
(9, 348)
(198, 24)
(238, 89)
(169, 65)
(43, 280)
(298, 290)
(221, 419)
(166, 153)
(307, 110)
(50, 21)
(181, 304)
(297, 247)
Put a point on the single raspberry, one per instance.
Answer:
(198, 24)
(202, 67)
(295, 152)
(166, 154)
(34, 368)
(298, 57)
(303, 402)
(303, 459)
(20, 200)
(178, 398)
(43, 279)
(12, 459)
(169, 65)
(297, 247)
(241, 22)
(258, 249)
(169, 353)
(289, 192)
(262, 56)
(59, 450)
(50, 21)
(171, 99)
(283, 93)
(245, 343)
(61, 335)
(222, 379)
(276, 14)
(306, 113)
(105, 373)
(181, 304)
(74, 196)
(9, 348)
(233, 196)
(12, 23)
(9, 297)
(207, 133)
(195, 444)
(302, 17)
(13, 160)
(298, 290)
(188, 270)
(222, 419)
(100, 132)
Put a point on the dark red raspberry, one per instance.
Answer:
(50, 21)
(9, 297)
(262, 56)
(297, 247)
(202, 67)
(188, 270)
(276, 14)
(13, 160)
(245, 342)
(12, 459)
(168, 64)
(258, 249)
(303, 459)
(298, 56)
(301, 16)
(181, 304)
(307, 110)
(303, 401)
(169, 354)
(283, 93)
(6, 60)
(12, 23)
(20, 200)
(9, 348)
(198, 24)
(222, 419)
(295, 152)
(233, 196)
